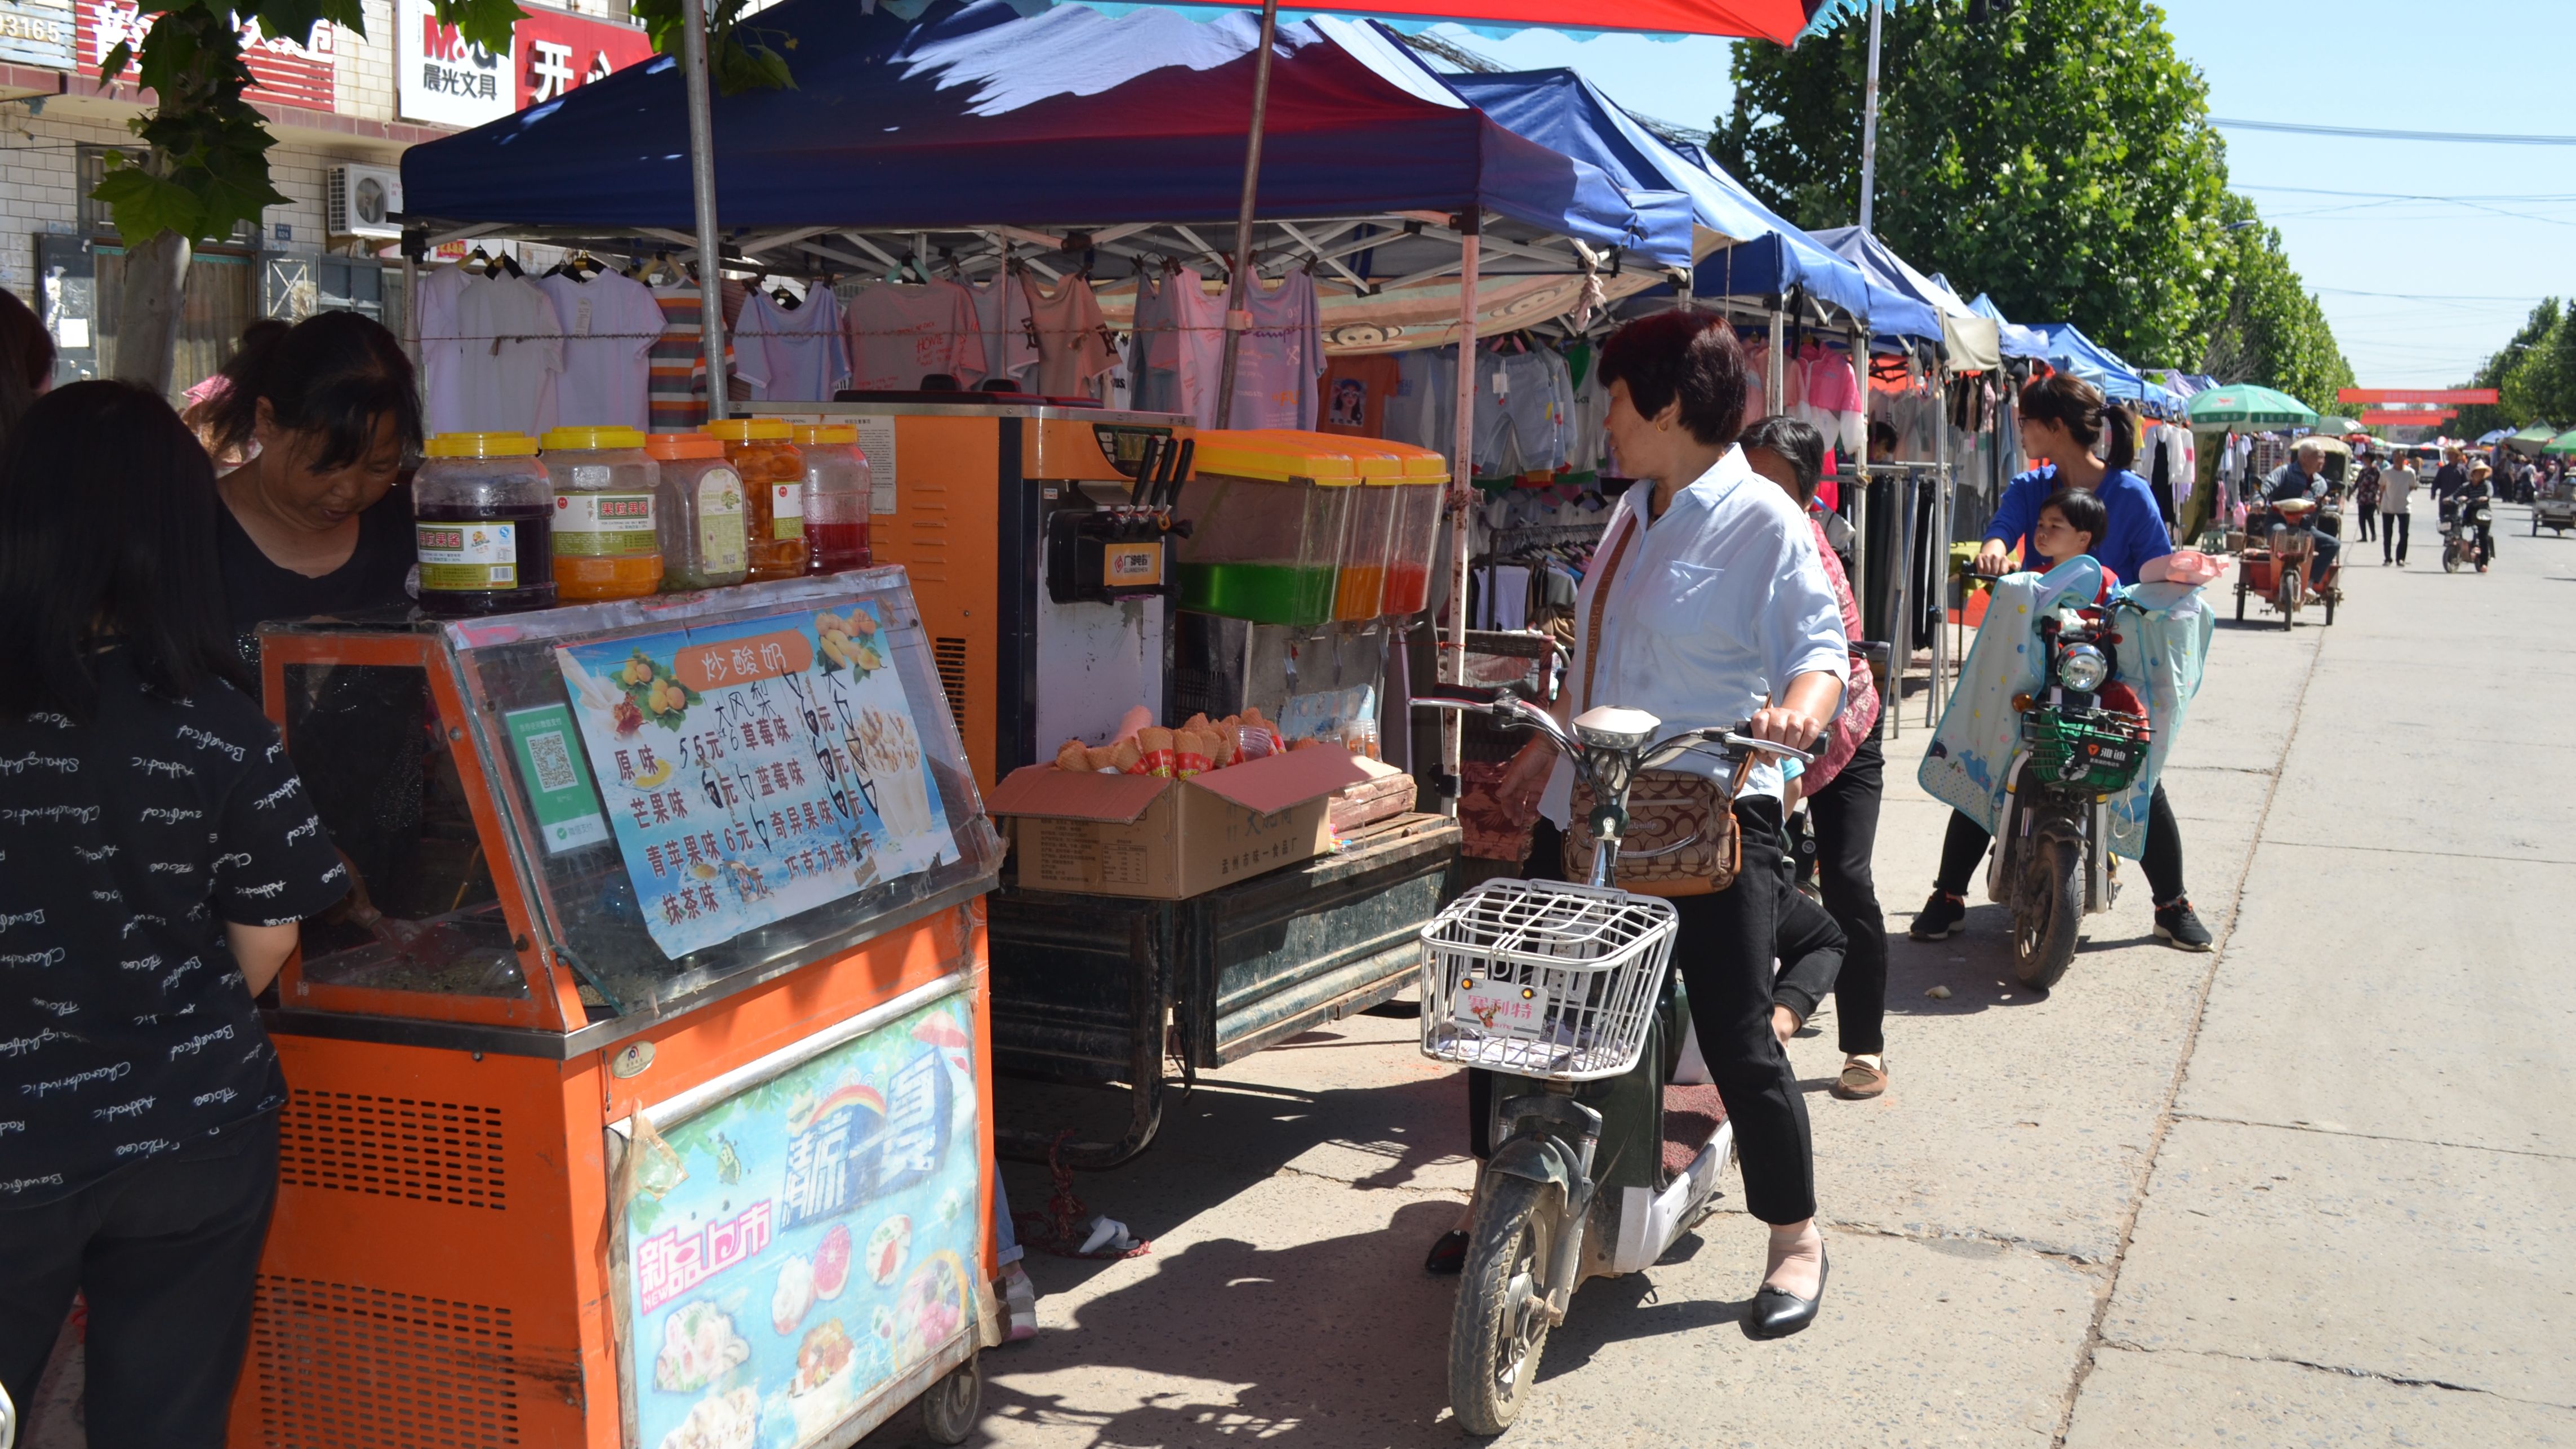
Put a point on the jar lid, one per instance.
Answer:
(481, 445)
(670, 446)
(1282, 455)
(592, 440)
(749, 430)
(827, 433)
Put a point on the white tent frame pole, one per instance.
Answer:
(702, 191)
(1869, 131)
(1238, 294)
(1462, 468)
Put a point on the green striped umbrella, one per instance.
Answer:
(2564, 443)
(2243, 405)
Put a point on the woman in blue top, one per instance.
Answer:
(2063, 418)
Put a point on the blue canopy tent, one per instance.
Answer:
(972, 116)
(1968, 336)
(2069, 350)
(1742, 247)
(2011, 338)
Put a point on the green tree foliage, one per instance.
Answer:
(205, 169)
(2535, 373)
(2057, 154)
(2266, 327)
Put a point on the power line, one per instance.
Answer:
(2372, 134)
(2401, 195)
(2426, 296)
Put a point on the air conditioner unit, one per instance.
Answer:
(362, 201)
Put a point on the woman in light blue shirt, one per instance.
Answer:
(1715, 609)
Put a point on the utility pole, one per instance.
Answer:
(1869, 131)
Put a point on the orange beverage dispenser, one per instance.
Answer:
(644, 1097)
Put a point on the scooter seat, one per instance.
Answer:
(1691, 1117)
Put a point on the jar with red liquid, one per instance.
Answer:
(482, 518)
(838, 487)
(762, 450)
(1416, 532)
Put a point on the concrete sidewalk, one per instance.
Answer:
(2284, 1193)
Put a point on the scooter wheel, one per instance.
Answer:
(2047, 911)
(1500, 1325)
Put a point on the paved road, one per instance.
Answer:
(2312, 1189)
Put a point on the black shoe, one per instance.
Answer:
(2179, 927)
(1777, 1314)
(1941, 917)
(1448, 1257)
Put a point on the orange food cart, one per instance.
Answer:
(644, 1099)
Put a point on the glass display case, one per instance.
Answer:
(591, 818)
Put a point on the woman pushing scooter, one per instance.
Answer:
(2063, 418)
(1707, 606)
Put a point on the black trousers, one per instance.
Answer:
(166, 1252)
(1965, 847)
(1724, 950)
(2367, 514)
(1845, 816)
(2393, 529)
(1810, 948)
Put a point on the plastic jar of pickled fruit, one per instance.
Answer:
(607, 489)
(482, 510)
(773, 492)
(700, 514)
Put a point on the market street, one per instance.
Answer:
(2309, 1189)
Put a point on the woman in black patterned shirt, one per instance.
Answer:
(156, 853)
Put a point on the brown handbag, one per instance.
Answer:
(1682, 838)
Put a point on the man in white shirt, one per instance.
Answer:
(2396, 487)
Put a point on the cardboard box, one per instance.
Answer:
(1136, 835)
(1389, 792)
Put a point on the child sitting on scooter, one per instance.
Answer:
(2067, 527)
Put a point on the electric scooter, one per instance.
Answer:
(1599, 1164)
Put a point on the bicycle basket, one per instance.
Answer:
(1543, 979)
(2098, 751)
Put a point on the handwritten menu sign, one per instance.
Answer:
(757, 769)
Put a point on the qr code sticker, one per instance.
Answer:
(553, 761)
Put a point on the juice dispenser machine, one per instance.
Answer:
(1034, 554)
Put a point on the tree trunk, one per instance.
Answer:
(148, 308)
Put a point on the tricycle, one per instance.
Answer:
(2276, 570)
(2555, 508)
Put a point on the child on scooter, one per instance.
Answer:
(2068, 525)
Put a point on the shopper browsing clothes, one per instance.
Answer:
(1714, 609)
(2063, 419)
(159, 854)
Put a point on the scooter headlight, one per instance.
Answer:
(2083, 669)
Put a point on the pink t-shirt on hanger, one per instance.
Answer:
(900, 333)
(1073, 342)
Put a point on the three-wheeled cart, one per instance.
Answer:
(644, 1100)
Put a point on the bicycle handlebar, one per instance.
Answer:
(1513, 710)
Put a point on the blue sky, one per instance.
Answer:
(2418, 291)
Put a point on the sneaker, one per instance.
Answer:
(2180, 927)
(1022, 1298)
(1941, 917)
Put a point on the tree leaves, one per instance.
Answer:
(205, 170)
(2059, 156)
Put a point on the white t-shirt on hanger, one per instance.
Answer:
(610, 323)
(514, 350)
(1182, 329)
(1072, 349)
(442, 350)
(1277, 363)
(802, 354)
